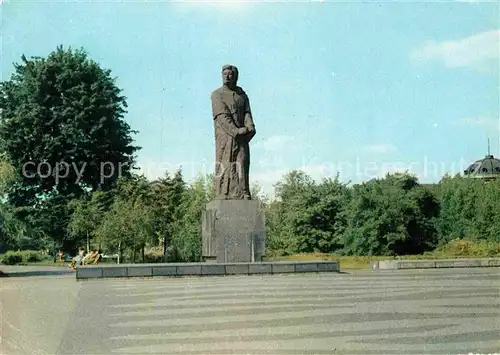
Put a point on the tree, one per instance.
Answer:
(87, 214)
(12, 229)
(390, 216)
(168, 194)
(187, 237)
(62, 127)
(304, 215)
(7, 175)
(129, 223)
(258, 194)
(469, 208)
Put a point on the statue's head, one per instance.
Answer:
(229, 75)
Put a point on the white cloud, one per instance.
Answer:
(474, 51)
(482, 122)
(381, 148)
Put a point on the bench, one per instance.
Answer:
(112, 256)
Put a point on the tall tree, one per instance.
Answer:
(469, 208)
(87, 214)
(167, 202)
(304, 215)
(7, 174)
(129, 223)
(62, 127)
(389, 216)
(187, 237)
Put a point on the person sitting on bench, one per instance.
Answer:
(77, 260)
(92, 258)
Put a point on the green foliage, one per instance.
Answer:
(469, 208)
(468, 248)
(12, 258)
(390, 216)
(64, 108)
(62, 131)
(21, 257)
(394, 215)
(7, 174)
(186, 240)
(304, 215)
(130, 221)
(87, 213)
(31, 256)
(456, 248)
(168, 196)
(20, 233)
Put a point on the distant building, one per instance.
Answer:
(487, 168)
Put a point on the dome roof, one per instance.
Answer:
(489, 167)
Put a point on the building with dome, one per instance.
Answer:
(487, 168)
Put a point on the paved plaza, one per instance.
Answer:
(445, 311)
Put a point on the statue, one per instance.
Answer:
(234, 128)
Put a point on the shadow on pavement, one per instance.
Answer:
(35, 273)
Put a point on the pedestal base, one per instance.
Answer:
(233, 231)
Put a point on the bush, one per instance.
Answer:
(21, 257)
(31, 256)
(12, 258)
(468, 248)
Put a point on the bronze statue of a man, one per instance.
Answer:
(234, 128)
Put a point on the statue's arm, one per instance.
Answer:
(249, 123)
(224, 119)
(226, 122)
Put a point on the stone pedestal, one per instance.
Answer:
(233, 231)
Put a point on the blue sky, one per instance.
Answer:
(362, 88)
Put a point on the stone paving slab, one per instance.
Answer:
(204, 269)
(438, 263)
(397, 312)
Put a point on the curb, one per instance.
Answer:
(434, 264)
(205, 269)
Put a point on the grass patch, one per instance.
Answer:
(346, 262)
(455, 249)
(360, 262)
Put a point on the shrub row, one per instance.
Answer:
(467, 248)
(21, 257)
